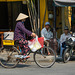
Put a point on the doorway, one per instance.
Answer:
(3, 16)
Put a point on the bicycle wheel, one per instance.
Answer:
(42, 59)
(66, 55)
(7, 57)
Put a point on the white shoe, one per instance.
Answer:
(22, 56)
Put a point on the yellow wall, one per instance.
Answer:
(58, 21)
(58, 18)
(69, 16)
(66, 20)
(42, 12)
(68, 13)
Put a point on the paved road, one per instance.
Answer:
(30, 68)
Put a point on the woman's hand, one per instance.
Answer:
(33, 35)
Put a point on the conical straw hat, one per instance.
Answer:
(21, 16)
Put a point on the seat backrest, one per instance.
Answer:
(8, 35)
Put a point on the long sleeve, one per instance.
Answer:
(23, 29)
(46, 34)
(61, 41)
(64, 37)
(42, 34)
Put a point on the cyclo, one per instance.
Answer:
(9, 51)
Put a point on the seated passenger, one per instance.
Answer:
(63, 38)
(48, 36)
(46, 33)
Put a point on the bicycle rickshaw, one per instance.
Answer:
(9, 51)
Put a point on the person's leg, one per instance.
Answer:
(47, 44)
(24, 46)
(61, 50)
(63, 47)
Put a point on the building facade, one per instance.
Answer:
(58, 16)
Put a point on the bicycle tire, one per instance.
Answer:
(40, 54)
(6, 58)
(66, 55)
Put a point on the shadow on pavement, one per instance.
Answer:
(22, 65)
(72, 58)
(19, 66)
(60, 59)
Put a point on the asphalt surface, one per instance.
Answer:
(30, 68)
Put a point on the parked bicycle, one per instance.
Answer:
(9, 52)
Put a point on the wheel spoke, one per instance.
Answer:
(7, 57)
(43, 59)
(66, 55)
